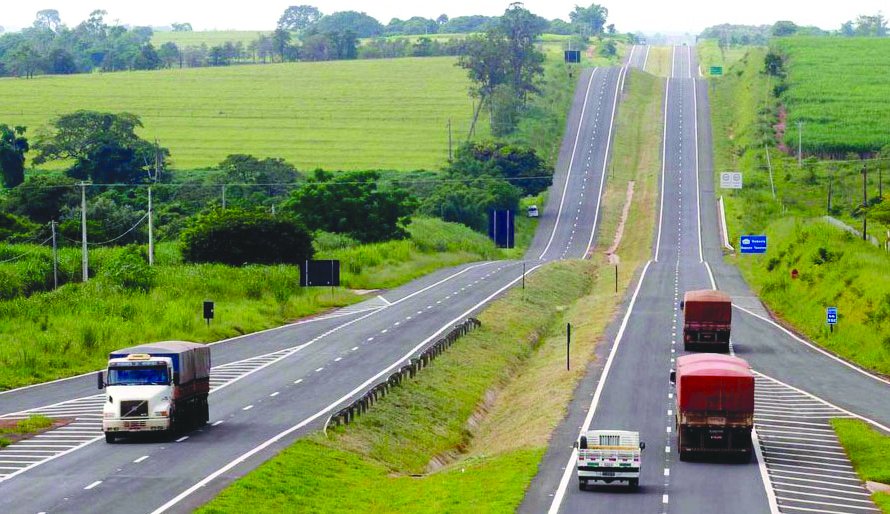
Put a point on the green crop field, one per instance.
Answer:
(209, 38)
(838, 87)
(375, 114)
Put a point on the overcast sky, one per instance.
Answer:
(676, 16)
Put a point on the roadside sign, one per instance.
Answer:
(831, 315)
(717, 70)
(730, 180)
(320, 273)
(573, 56)
(501, 228)
(752, 244)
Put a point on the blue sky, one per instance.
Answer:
(675, 16)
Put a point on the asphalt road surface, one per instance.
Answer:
(799, 465)
(272, 387)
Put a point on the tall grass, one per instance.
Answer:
(71, 330)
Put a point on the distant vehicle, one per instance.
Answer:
(609, 456)
(707, 320)
(533, 211)
(159, 387)
(715, 406)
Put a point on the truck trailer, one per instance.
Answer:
(609, 456)
(707, 319)
(714, 406)
(159, 387)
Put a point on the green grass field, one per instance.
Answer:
(710, 54)
(338, 115)
(60, 333)
(838, 87)
(208, 37)
(869, 451)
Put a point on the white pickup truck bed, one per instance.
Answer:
(609, 456)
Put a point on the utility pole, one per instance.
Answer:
(799, 144)
(769, 165)
(568, 345)
(830, 181)
(864, 202)
(450, 154)
(151, 240)
(52, 226)
(224, 197)
(85, 258)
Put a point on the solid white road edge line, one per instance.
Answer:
(596, 213)
(764, 474)
(206, 480)
(710, 275)
(701, 254)
(813, 346)
(571, 163)
(630, 58)
(667, 90)
(570, 468)
(646, 60)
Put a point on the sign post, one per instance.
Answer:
(752, 244)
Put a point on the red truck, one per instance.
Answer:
(715, 406)
(707, 318)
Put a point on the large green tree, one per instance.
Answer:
(591, 19)
(352, 203)
(104, 147)
(13, 146)
(299, 17)
(358, 23)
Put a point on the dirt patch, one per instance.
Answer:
(619, 232)
(8, 429)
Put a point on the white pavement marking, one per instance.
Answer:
(567, 475)
(183, 438)
(140, 459)
(273, 395)
(667, 90)
(94, 484)
(248, 407)
(218, 423)
(337, 402)
(571, 163)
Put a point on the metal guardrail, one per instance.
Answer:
(361, 405)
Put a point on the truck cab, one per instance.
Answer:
(139, 389)
(609, 456)
(159, 387)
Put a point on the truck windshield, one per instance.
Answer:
(144, 375)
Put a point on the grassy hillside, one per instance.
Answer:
(709, 54)
(838, 87)
(836, 269)
(375, 114)
(208, 37)
(71, 330)
(869, 451)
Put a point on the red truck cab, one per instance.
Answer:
(715, 406)
(707, 319)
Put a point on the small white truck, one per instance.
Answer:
(609, 456)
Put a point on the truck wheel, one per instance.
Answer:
(110, 438)
(582, 485)
(582, 444)
(205, 412)
(634, 482)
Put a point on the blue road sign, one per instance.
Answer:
(831, 315)
(752, 244)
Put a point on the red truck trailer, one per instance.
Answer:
(715, 405)
(707, 318)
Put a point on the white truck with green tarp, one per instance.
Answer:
(609, 456)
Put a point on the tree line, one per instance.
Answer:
(728, 34)
(303, 33)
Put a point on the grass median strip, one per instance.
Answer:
(869, 451)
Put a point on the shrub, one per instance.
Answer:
(14, 228)
(130, 270)
(238, 237)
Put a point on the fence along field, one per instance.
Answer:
(838, 87)
(338, 115)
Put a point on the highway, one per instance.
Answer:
(272, 387)
(638, 57)
(799, 464)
